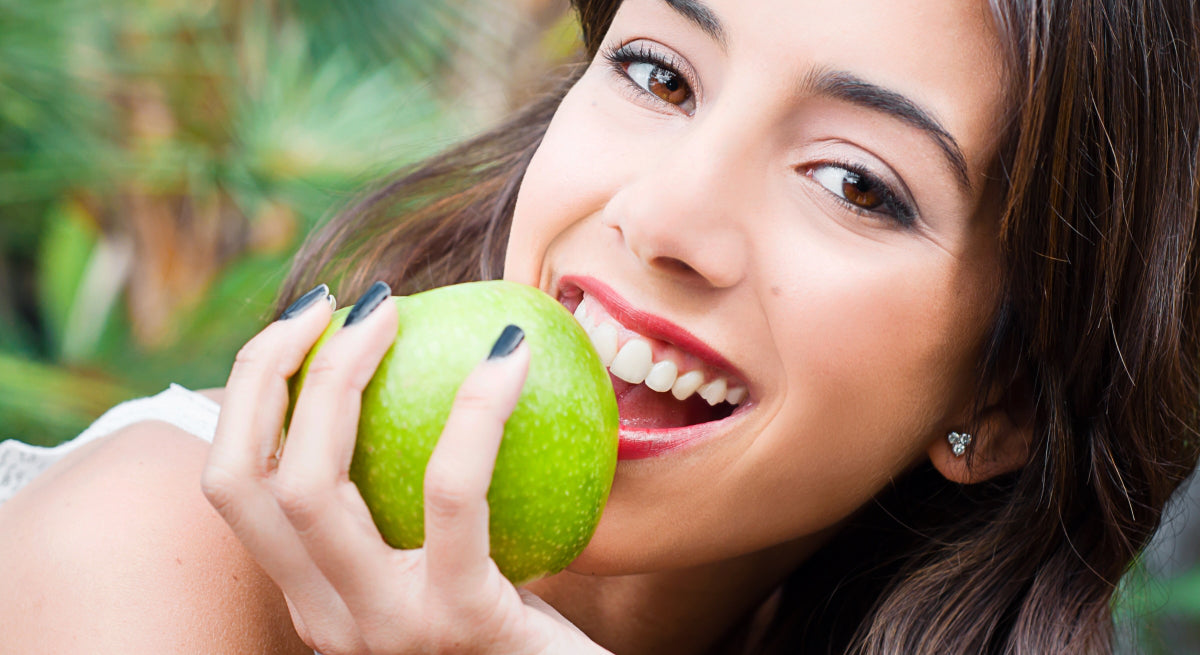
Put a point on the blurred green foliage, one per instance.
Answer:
(161, 161)
(1157, 606)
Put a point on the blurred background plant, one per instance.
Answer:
(160, 161)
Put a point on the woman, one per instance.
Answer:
(948, 249)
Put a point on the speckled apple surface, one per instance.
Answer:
(556, 462)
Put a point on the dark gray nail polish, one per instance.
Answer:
(304, 302)
(510, 338)
(367, 303)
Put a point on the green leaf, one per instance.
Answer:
(67, 245)
(44, 404)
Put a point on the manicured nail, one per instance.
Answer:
(510, 338)
(304, 302)
(367, 303)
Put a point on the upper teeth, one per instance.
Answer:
(634, 361)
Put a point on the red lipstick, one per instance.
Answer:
(641, 442)
(649, 325)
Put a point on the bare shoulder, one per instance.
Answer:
(115, 549)
(216, 394)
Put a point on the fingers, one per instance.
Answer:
(320, 444)
(251, 419)
(311, 484)
(256, 397)
(460, 470)
(304, 520)
(242, 456)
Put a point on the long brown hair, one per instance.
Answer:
(1100, 321)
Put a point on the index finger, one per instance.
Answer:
(256, 394)
(460, 471)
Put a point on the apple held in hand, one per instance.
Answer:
(556, 461)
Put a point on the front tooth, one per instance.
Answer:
(604, 339)
(713, 392)
(662, 375)
(736, 395)
(686, 384)
(633, 362)
(581, 314)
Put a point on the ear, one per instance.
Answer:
(1001, 438)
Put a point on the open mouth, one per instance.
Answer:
(664, 379)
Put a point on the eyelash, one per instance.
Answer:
(896, 208)
(620, 57)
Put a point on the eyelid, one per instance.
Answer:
(647, 51)
(907, 215)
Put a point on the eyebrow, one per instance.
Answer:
(699, 13)
(843, 86)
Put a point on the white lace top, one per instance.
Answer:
(20, 463)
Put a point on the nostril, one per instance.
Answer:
(676, 265)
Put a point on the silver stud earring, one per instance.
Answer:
(959, 442)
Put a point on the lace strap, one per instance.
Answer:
(185, 409)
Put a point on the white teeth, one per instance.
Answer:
(686, 384)
(604, 338)
(633, 362)
(662, 376)
(736, 395)
(713, 392)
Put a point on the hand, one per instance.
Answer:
(304, 521)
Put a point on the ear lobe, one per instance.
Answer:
(1000, 443)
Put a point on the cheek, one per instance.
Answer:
(886, 348)
(879, 353)
(876, 353)
(570, 178)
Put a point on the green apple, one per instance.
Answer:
(556, 461)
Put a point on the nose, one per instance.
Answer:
(684, 211)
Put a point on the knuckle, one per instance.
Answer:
(296, 495)
(252, 353)
(221, 487)
(476, 401)
(252, 361)
(447, 494)
(324, 370)
(360, 378)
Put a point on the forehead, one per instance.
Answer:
(943, 54)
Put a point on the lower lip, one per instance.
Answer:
(644, 444)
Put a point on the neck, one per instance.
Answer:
(686, 611)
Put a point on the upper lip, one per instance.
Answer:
(647, 324)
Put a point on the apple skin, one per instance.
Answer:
(556, 462)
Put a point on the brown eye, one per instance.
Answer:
(863, 192)
(668, 86)
(860, 192)
(664, 83)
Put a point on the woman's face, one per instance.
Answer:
(787, 197)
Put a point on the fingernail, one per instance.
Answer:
(510, 338)
(367, 303)
(304, 302)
